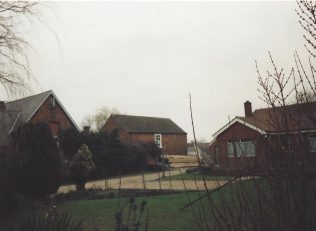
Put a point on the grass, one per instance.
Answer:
(196, 176)
(164, 211)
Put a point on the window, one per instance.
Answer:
(241, 148)
(217, 155)
(56, 139)
(52, 102)
(312, 143)
(158, 141)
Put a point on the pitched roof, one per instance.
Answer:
(299, 117)
(7, 122)
(21, 111)
(142, 124)
(28, 106)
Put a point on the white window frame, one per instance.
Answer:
(52, 102)
(311, 142)
(158, 141)
(57, 141)
(241, 148)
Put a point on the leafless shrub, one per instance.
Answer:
(132, 217)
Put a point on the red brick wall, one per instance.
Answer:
(137, 137)
(55, 117)
(240, 131)
(111, 124)
(234, 132)
(172, 144)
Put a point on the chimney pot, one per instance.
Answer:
(2, 106)
(248, 108)
(86, 129)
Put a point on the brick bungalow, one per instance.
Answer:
(236, 145)
(163, 131)
(43, 107)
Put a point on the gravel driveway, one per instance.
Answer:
(149, 181)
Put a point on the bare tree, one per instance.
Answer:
(87, 121)
(14, 67)
(307, 20)
(96, 121)
(102, 115)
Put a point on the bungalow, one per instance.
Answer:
(43, 107)
(236, 145)
(163, 131)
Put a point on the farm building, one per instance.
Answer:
(163, 131)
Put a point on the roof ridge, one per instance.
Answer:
(147, 124)
(286, 106)
(153, 117)
(12, 101)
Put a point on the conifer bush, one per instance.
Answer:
(81, 167)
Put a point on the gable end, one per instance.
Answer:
(238, 120)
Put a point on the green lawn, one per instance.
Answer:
(196, 176)
(164, 212)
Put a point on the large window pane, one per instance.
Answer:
(241, 148)
(312, 144)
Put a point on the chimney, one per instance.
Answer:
(2, 106)
(248, 109)
(86, 129)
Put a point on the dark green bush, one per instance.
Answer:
(34, 161)
(51, 221)
(70, 141)
(8, 200)
(81, 167)
(111, 156)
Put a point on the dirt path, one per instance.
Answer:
(150, 181)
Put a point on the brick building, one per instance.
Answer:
(237, 144)
(43, 107)
(163, 131)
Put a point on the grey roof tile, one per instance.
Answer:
(142, 124)
(27, 105)
(7, 121)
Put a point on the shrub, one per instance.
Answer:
(133, 217)
(8, 200)
(98, 145)
(35, 161)
(110, 156)
(70, 141)
(51, 221)
(81, 167)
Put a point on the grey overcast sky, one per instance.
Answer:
(144, 58)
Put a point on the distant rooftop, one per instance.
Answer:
(144, 124)
(299, 116)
